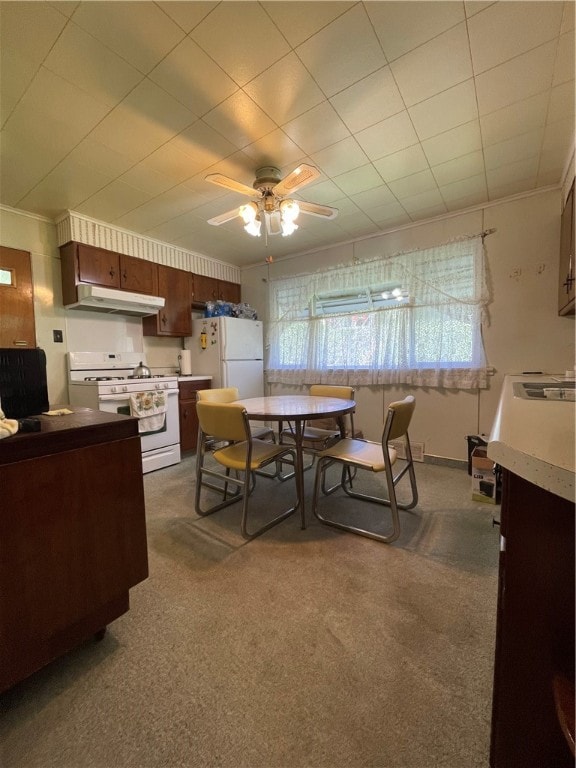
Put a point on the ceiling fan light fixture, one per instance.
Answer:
(288, 227)
(289, 210)
(248, 212)
(253, 227)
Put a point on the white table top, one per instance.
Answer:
(535, 438)
(292, 407)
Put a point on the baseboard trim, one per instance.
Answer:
(445, 462)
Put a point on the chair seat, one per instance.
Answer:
(360, 453)
(234, 456)
(259, 433)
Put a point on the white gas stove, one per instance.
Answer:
(104, 381)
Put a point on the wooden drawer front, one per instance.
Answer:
(188, 389)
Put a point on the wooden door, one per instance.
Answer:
(229, 291)
(98, 266)
(17, 323)
(205, 288)
(138, 275)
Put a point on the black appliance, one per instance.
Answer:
(23, 384)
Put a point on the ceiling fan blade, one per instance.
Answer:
(273, 225)
(227, 183)
(304, 174)
(314, 209)
(222, 218)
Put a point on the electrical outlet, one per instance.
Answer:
(58, 337)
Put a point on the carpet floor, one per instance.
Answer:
(298, 649)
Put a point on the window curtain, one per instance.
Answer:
(433, 340)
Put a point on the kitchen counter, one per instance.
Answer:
(73, 533)
(194, 378)
(534, 439)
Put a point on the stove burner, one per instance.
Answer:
(155, 376)
(103, 378)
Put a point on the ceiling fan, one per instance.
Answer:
(271, 203)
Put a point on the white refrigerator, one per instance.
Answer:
(231, 350)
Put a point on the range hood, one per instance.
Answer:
(100, 299)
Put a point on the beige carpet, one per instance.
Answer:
(300, 648)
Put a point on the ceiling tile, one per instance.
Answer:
(93, 154)
(31, 29)
(17, 74)
(113, 201)
(460, 168)
(434, 66)
(564, 66)
(472, 7)
(500, 33)
(524, 76)
(518, 148)
(512, 172)
(26, 158)
(276, 148)
(457, 142)
(145, 120)
(370, 100)
(343, 52)
(240, 120)
(170, 165)
(318, 128)
(389, 215)
(561, 103)
(401, 27)
(472, 188)
(568, 17)
(241, 38)
(388, 136)
(178, 74)
(285, 90)
(504, 123)
(359, 179)
(374, 198)
(412, 185)
(454, 106)
(559, 138)
(203, 144)
(496, 192)
(147, 178)
(187, 15)
(84, 61)
(403, 163)
(64, 188)
(300, 20)
(430, 200)
(139, 32)
(344, 156)
(324, 192)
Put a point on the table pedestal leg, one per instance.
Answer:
(299, 468)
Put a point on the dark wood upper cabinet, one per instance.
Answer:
(17, 326)
(211, 289)
(88, 264)
(175, 319)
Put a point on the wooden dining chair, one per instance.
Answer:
(355, 454)
(228, 424)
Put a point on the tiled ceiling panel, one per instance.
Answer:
(409, 110)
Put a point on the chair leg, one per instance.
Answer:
(346, 484)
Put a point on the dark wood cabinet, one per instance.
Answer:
(175, 318)
(188, 416)
(567, 278)
(211, 289)
(535, 627)
(73, 533)
(18, 325)
(88, 264)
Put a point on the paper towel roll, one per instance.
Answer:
(185, 358)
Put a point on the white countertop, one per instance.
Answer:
(195, 378)
(535, 438)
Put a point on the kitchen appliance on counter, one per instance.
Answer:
(231, 350)
(105, 381)
(23, 383)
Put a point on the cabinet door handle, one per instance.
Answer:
(111, 273)
(124, 275)
(20, 343)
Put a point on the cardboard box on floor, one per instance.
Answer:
(484, 486)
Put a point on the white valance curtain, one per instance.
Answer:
(432, 339)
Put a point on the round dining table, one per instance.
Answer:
(297, 409)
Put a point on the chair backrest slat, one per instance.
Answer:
(224, 421)
(329, 390)
(219, 395)
(398, 419)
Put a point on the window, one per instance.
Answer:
(414, 318)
